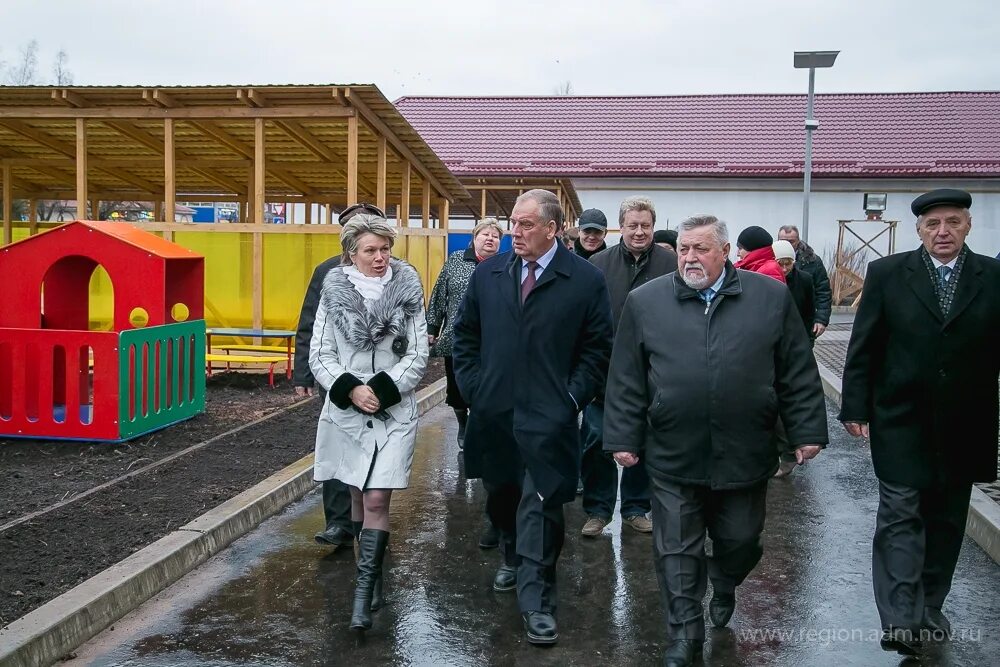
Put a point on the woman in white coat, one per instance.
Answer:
(368, 351)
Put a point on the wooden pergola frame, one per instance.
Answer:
(494, 196)
(330, 146)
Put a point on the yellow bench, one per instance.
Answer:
(288, 351)
(244, 359)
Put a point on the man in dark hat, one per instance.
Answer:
(666, 239)
(922, 360)
(593, 225)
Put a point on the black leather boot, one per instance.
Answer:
(371, 551)
(463, 418)
(377, 598)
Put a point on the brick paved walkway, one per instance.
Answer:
(831, 351)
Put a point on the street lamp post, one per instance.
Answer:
(810, 60)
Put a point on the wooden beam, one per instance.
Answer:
(81, 168)
(309, 212)
(380, 174)
(169, 170)
(158, 211)
(8, 206)
(71, 99)
(352, 160)
(32, 216)
(324, 111)
(482, 205)
(329, 214)
(64, 148)
(258, 170)
(403, 218)
(497, 202)
(382, 129)
(251, 98)
(443, 208)
(425, 206)
(226, 139)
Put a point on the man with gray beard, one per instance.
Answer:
(705, 360)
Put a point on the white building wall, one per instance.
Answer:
(770, 204)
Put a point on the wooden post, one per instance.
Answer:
(403, 218)
(380, 177)
(443, 210)
(290, 212)
(352, 160)
(482, 205)
(249, 218)
(329, 214)
(169, 171)
(95, 209)
(32, 216)
(8, 192)
(158, 210)
(425, 208)
(258, 281)
(81, 169)
(309, 212)
(258, 171)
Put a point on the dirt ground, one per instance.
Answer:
(49, 554)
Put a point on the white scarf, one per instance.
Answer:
(370, 287)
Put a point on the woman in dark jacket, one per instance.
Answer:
(800, 284)
(449, 290)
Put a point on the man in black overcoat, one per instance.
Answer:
(921, 381)
(532, 342)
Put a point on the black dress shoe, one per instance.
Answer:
(936, 621)
(334, 536)
(541, 628)
(900, 640)
(720, 608)
(506, 579)
(682, 652)
(490, 537)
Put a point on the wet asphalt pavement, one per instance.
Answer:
(276, 598)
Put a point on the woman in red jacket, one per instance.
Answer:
(753, 246)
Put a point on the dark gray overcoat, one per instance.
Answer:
(925, 383)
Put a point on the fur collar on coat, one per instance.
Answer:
(366, 326)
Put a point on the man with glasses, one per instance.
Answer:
(339, 529)
(633, 262)
(532, 340)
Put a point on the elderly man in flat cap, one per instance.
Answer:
(921, 382)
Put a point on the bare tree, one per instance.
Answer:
(49, 209)
(60, 69)
(25, 72)
(565, 88)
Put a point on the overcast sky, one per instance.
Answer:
(512, 47)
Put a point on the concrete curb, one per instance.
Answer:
(56, 628)
(983, 524)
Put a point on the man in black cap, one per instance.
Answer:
(593, 227)
(666, 239)
(922, 360)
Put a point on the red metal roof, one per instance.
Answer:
(896, 135)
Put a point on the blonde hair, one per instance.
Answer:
(636, 204)
(358, 226)
(487, 223)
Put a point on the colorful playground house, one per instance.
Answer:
(59, 379)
